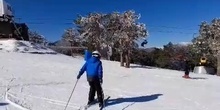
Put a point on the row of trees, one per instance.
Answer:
(121, 30)
(171, 56)
(109, 29)
(118, 31)
(70, 43)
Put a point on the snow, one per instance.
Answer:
(12, 45)
(45, 82)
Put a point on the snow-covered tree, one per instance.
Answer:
(129, 31)
(72, 36)
(201, 46)
(91, 30)
(210, 33)
(110, 29)
(35, 37)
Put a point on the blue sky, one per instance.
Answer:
(167, 20)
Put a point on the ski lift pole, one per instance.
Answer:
(71, 93)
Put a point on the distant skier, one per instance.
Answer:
(93, 68)
(186, 68)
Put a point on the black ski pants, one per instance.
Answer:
(95, 86)
(187, 72)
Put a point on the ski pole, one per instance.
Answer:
(103, 96)
(71, 93)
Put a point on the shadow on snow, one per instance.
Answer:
(3, 104)
(133, 99)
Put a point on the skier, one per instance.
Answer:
(93, 68)
(186, 68)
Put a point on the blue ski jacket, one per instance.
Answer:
(93, 68)
(87, 55)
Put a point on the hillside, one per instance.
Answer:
(45, 81)
(12, 45)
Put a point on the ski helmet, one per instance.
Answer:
(96, 54)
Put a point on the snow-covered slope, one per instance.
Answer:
(45, 81)
(23, 47)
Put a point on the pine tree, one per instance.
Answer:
(37, 38)
(210, 34)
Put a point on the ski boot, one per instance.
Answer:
(186, 76)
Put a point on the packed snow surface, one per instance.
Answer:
(45, 82)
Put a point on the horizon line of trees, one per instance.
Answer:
(120, 31)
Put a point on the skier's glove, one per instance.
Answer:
(78, 76)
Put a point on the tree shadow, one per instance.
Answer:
(139, 66)
(198, 78)
(133, 99)
(3, 104)
(53, 53)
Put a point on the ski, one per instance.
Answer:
(104, 103)
(88, 105)
(94, 103)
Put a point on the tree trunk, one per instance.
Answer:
(108, 57)
(71, 52)
(121, 53)
(127, 57)
(121, 58)
(98, 47)
(218, 65)
(128, 53)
